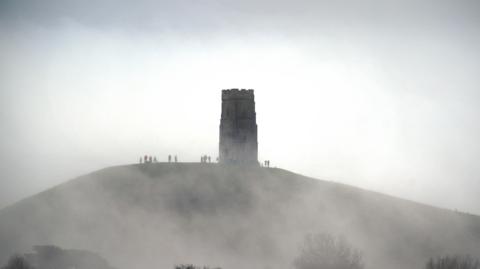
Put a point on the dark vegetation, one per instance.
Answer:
(52, 257)
(453, 262)
(318, 251)
(324, 251)
(191, 266)
(17, 262)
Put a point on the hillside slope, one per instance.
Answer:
(157, 215)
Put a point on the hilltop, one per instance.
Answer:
(160, 214)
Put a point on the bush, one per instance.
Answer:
(453, 262)
(17, 262)
(191, 266)
(324, 251)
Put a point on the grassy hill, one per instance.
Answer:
(157, 215)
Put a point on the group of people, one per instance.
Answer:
(150, 159)
(205, 159)
(170, 158)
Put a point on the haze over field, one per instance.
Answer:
(156, 215)
(378, 94)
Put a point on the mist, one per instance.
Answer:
(163, 214)
(377, 94)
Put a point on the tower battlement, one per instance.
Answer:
(237, 94)
(238, 128)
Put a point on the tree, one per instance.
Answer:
(324, 251)
(17, 262)
(453, 262)
(191, 266)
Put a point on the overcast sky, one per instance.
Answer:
(383, 95)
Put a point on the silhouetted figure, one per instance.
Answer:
(145, 159)
(176, 159)
(155, 159)
(169, 158)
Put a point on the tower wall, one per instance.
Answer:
(238, 128)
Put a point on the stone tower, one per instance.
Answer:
(238, 128)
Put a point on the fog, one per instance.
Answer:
(377, 94)
(158, 215)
